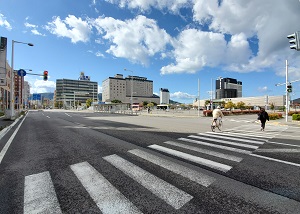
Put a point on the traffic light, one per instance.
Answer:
(45, 75)
(289, 88)
(3, 43)
(295, 40)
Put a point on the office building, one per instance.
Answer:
(164, 96)
(122, 89)
(228, 88)
(73, 92)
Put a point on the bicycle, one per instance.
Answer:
(218, 124)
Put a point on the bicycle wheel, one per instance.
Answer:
(220, 125)
(213, 128)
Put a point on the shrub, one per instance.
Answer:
(207, 113)
(293, 112)
(296, 117)
(274, 116)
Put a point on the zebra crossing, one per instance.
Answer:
(218, 151)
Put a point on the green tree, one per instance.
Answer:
(272, 106)
(89, 102)
(241, 105)
(229, 105)
(116, 101)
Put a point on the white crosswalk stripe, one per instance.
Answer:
(105, 195)
(39, 194)
(193, 158)
(205, 151)
(193, 175)
(167, 192)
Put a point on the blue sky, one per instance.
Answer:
(174, 43)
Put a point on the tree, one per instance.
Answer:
(272, 106)
(229, 105)
(89, 102)
(116, 101)
(241, 105)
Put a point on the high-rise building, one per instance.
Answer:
(71, 92)
(228, 88)
(164, 96)
(122, 89)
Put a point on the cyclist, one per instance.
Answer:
(217, 113)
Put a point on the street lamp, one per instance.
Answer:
(131, 88)
(12, 105)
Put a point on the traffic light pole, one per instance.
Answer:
(287, 108)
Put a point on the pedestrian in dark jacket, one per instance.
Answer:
(263, 117)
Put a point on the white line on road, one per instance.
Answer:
(277, 160)
(5, 148)
(193, 175)
(39, 194)
(68, 115)
(106, 196)
(195, 159)
(205, 151)
(167, 192)
(215, 146)
(285, 144)
(225, 142)
(278, 150)
(217, 135)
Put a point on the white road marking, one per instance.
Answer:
(39, 194)
(191, 174)
(195, 159)
(216, 146)
(217, 135)
(167, 192)
(278, 150)
(285, 144)
(106, 196)
(5, 148)
(68, 115)
(277, 160)
(205, 151)
(225, 142)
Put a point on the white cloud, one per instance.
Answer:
(72, 27)
(99, 54)
(195, 49)
(41, 86)
(145, 5)
(182, 95)
(263, 89)
(136, 39)
(4, 22)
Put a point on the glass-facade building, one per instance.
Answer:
(70, 92)
(228, 88)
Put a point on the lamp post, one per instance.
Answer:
(12, 102)
(131, 88)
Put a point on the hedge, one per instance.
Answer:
(296, 117)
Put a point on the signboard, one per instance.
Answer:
(3, 50)
(21, 72)
(36, 96)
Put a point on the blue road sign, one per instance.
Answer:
(36, 96)
(22, 72)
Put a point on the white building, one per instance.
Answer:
(164, 96)
(122, 89)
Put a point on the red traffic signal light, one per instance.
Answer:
(45, 75)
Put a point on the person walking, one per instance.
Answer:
(263, 116)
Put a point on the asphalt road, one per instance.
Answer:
(80, 162)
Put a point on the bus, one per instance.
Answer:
(163, 107)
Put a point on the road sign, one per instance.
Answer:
(36, 96)
(22, 72)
